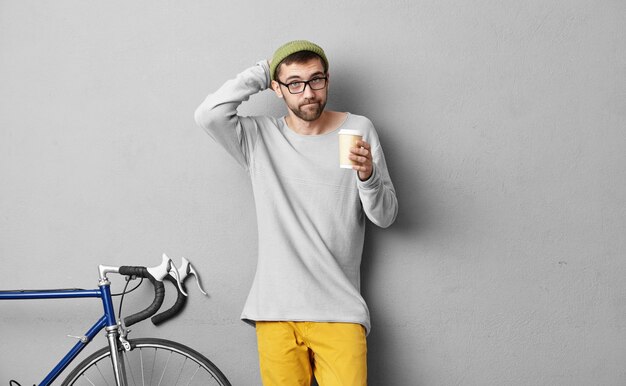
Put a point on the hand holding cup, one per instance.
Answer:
(361, 156)
(355, 153)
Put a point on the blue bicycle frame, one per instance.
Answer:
(116, 335)
(107, 320)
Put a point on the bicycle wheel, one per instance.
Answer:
(150, 361)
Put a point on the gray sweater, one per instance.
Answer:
(311, 214)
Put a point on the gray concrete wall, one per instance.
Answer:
(503, 125)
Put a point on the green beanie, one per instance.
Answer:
(291, 48)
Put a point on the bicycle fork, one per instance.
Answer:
(117, 357)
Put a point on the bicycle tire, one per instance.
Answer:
(151, 361)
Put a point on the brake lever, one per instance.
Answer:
(162, 270)
(187, 269)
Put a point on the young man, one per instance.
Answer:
(305, 300)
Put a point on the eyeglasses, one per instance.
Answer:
(298, 87)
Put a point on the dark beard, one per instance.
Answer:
(310, 115)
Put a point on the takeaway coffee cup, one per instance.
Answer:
(347, 140)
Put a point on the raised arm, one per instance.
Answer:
(217, 115)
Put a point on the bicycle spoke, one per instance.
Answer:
(143, 375)
(150, 362)
(194, 375)
(129, 367)
(103, 378)
(153, 363)
(88, 380)
(165, 368)
(181, 371)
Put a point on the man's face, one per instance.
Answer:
(309, 104)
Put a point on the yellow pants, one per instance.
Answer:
(291, 352)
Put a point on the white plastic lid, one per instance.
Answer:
(350, 132)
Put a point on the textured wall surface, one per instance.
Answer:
(503, 123)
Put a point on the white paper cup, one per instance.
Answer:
(347, 140)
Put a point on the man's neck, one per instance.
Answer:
(327, 122)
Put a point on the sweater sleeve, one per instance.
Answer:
(377, 194)
(217, 115)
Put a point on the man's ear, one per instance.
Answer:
(276, 88)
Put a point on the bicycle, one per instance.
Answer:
(125, 362)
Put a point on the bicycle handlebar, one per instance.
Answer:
(178, 306)
(159, 294)
(166, 270)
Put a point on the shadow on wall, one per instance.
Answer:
(381, 342)
(411, 221)
(349, 93)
